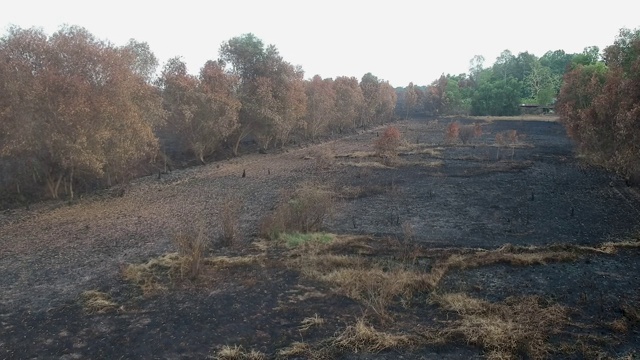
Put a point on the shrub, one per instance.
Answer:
(304, 212)
(192, 247)
(325, 158)
(453, 132)
(507, 138)
(388, 143)
(465, 132)
(229, 220)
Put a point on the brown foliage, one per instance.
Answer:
(387, 144)
(453, 132)
(76, 109)
(600, 106)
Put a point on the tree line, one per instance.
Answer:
(497, 90)
(78, 113)
(599, 104)
(595, 93)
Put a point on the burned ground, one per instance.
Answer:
(438, 216)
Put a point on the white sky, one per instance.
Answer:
(399, 40)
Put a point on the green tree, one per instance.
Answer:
(498, 98)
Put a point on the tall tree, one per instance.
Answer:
(321, 106)
(270, 89)
(87, 115)
(410, 99)
(370, 86)
(349, 102)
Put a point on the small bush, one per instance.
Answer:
(229, 220)
(325, 158)
(468, 132)
(389, 142)
(464, 133)
(453, 132)
(507, 138)
(192, 246)
(304, 212)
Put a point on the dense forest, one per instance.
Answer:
(78, 113)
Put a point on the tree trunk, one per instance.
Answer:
(71, 184)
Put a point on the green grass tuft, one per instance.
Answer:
(296, 239)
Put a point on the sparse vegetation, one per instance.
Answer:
(453, 132)
(304, 212)
(464, 133)
(309, 322)
(468, 132)
(297, 239)
(229, 220)
(362, 337)
(238, 353)
(388, 143)
(192, 248)
(97, 302)
(508, 329)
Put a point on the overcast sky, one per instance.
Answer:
(399, 41)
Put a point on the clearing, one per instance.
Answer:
(507, 247)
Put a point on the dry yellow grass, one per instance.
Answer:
(506, 329)
(365, 164)
(420, 149)
(309, 322)
(148, 276)
(362, 337)
(238, 353)
(153, 275)
(296, 349)
(97, 302)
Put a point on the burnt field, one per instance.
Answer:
(502, 247)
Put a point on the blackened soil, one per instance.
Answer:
(477, 195)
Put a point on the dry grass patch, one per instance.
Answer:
(192, 248)
(509, 255)
(304, 212)
(150, 276)
(154, 275)
(376, 287)
(299, 239)
(97, 302)
(370, 282)
(506, 330)
(358, 155)
(297, 349)
(424, 164)
(419, 149)
(365, 164)
(238, 353)
(229, 220)
(309, 322)
(362, 337)
(230, 261)
(612, 246)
